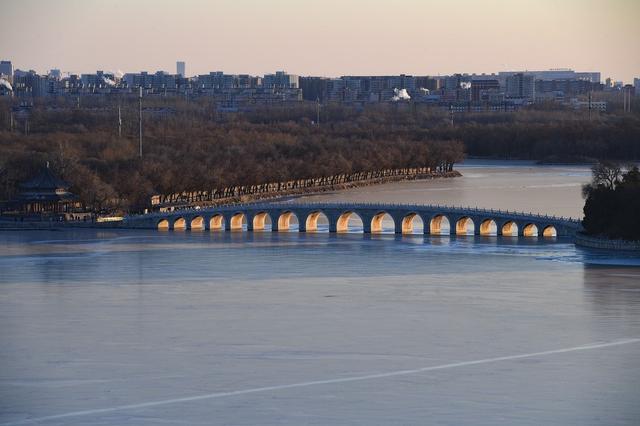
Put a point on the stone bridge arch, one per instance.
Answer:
(259, 221)
(488, 227)
(236, 221)
(465, 225)
(180, 224)
(347, 221)
(439, 224)
(509, 228)
(530, 230)
(312, 220)
(378, 220)
(217, 222)
(549, 231)
(286, 220)
(197, 223)
(411, 223)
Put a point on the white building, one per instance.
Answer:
(594, 77)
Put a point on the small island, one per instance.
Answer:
(612, 208)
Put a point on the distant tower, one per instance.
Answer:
(6, 68)
(140, 119)
(181, 68)
(626, 93)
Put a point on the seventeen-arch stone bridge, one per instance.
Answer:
(375, 217)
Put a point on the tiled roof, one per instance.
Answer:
(44, 180)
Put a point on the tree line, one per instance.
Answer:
(187, 151)
(190, 146)
(299, 186)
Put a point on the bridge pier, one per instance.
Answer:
(366, 224)
(227, 221)
(398, 226)
(333, 222)
(426, 223)
(477, 225)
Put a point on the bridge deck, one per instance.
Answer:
(460, 219)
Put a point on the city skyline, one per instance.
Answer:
(180, 66)
(339, 38)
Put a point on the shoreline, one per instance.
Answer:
(12, 225)
(299, 192)
(601, 243)
(538, 162)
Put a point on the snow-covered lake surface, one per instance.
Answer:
(149, 328)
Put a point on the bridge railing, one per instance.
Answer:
(376, 206)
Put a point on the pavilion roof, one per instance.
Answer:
(43, 181)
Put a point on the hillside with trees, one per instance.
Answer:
(189, 145)
(188, 150)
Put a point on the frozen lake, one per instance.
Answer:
(148, 328)
(509, 185)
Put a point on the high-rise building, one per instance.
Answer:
(593, 77)
(520, 86)
(217, 81)
(6, 69)
(481, 89)
(566, 87)
(428, 83)
(453, 82)
(636, 84)
(280, 80)
(181, 68)
(55, 74)
(30, 84)
(314, 88)
(556, 74)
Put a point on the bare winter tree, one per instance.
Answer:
(607, 174)
(604, 174)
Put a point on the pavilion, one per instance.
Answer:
(47, 195)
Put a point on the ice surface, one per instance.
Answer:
(140, 328)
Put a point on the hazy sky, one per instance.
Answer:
(323, 37)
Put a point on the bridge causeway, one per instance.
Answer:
(436, 219)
